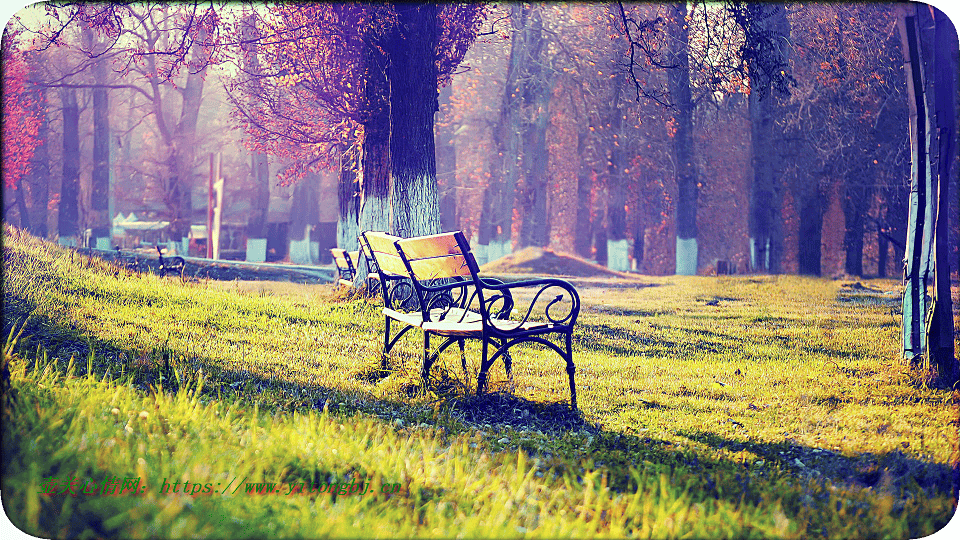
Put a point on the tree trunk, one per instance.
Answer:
(600, 245)
(413, 102)
(617, 250)
(40, 171)
(68, 221)
(810, 236)
(639, 231)
(537, 90)
(683, 148)
(535, 226)
(766, 197)
(883, 246)
(505, 164)
(259, 166)
(183, 153)
(374, 180)
(348, 207)
(855, 206)
(942, 365)
(916, 273)
(375, 171)
(100, 188)
(583, 233)
(259, 196)
(21, 204)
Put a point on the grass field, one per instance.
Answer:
(746, 406)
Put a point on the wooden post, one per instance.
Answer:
(214, 235)
(210, 180)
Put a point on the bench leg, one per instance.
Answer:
(508, 366)
(486, 362)
(386, 335)
(571, 369)
(427, 361)
(463, 358)
(387, 342)
(484, 366)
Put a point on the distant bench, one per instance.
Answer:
(433, 283)
(346, 269)
(347, 263)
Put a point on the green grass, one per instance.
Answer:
(711, 407)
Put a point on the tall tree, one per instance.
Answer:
(101, 223)
(68, 220)
(413, 102)
(259, 165)
(325, 88)
(930, 61)
(496, 222)
(766, 200)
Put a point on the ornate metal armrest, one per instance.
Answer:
(567, 317)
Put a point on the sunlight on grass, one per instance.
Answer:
(711, 407)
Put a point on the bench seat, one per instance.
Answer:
(452, 316)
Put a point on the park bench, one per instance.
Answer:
(169, 265)
(348, 262)
(439, 264)
(346, 269)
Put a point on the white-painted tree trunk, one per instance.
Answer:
(300, 249)
(686, 256)
(256, 250)
(618, 255)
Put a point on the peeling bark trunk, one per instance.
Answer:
(916, 272)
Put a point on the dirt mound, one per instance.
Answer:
(543, 261)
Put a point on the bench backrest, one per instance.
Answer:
(344, 261)
(436, 256)
(367, 257)
(382, 248)
(443, 271)
(394, 280)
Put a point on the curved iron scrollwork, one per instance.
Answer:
(561, 310)
(400, 294)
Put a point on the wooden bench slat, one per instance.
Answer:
(381, 242)
(440, 267)
(436, 245)
(391, 264)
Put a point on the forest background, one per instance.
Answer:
(546, 134)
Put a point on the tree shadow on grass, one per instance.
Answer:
(890, 472)
(717, 475)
